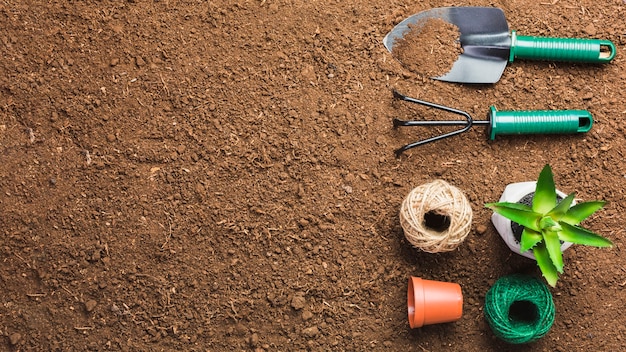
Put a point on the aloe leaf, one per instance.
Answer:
(544, 199)
(548, 224)
(519, 206)
(529, 239)
(553, 245)
(581, 211)
(545, 264)
(519, 213)
(561, 209)
(579, 235)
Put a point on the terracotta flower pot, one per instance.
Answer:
(433, 302)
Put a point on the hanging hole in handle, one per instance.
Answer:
(607, 51)
(584, 123)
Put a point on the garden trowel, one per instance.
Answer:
(487, 45)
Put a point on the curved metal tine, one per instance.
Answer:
(404, 148)
(397, 122)
(405, 123)
(401, 96)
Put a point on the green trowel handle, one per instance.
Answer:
(561, 49)
(538, 122)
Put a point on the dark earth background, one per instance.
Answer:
(217, 176)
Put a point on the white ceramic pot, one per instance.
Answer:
(513, 193)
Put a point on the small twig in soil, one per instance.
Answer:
(423, 349)
(31, 135)
(82, 328)
(87, 156)
(22, 259)
(232, 306)
(70, 292)
(294, 237)
(169, 234)
(167, 91)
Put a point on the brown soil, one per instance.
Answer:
(429, 48)
(218, 176)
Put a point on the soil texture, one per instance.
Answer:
(220, 176)
(429, 48)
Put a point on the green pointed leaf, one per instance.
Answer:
(545, 264)
(579, 235)
(581, 211)
(529, 239)
(519, 213)
(561, 209)
(553, 245)
(519, 206)
(548, 224)
(544, 199)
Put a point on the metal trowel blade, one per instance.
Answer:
(484, 37)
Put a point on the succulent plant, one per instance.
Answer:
(548, 222)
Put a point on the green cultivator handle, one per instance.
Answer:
(538, 122)
(561, 49)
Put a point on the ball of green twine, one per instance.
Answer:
(519, 309)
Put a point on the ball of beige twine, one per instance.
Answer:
(443, 202)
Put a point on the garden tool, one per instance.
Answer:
(501, 122)
(487, 46)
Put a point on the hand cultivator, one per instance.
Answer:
(500, 122)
